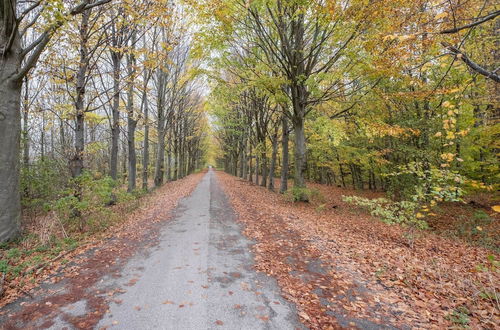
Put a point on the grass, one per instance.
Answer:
(31, 250)
(477, 229)
(15, 259)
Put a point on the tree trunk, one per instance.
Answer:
(10, 125)
(285, 157)
(244, 161)
(124, 151)
(132, 156)
(10, 136)
(256, 169)
(263, 156)
(26, 138)
(169, 162)
(131, 121)
(77, 160)
(160, 160)
(272, 168)
(115, 124)
(145, 157)
(299, 153)
(250, 162)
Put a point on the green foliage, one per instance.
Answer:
(42, 182)
(402, 213)
(4, 266)
(492, 265)
(423, 186)
(474, 230)
(459, 316)
(298, 194)
(87, 199)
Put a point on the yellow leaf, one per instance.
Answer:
(496, 208)
(441, 15)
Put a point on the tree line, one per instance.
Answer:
(394, 96)
(91, 90)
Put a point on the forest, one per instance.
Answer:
(389, 108)
(94, 97)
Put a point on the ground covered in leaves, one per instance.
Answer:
(82, 267)
(344, 268)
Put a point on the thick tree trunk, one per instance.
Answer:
(10, 136)
(285, 157)
(242, 160)
(169, 162)
(299, 153)
(115, 123)
(176, 159)
(77, 159)
(256, 169)
(160, 147)
(160, 160)
(145, 156)
(250, 162)
(263, 156)
(274, 156)
(131, 121)
(132, 156)
(124, 152)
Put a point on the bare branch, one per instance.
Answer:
(471, 25)
(471, 64)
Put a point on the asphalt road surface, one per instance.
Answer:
(199, 276)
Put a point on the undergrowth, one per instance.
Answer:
(64, 218)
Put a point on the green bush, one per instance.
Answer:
(297, 194)
(42, 182)
(87, 197)
(474, 230)
(402, 213)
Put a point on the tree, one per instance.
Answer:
(15, 63)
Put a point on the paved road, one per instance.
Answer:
(200, 276)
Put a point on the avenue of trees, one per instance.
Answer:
(396, 96)
(388, 95)
(94, 95)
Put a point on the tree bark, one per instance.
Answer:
(145, 156)
(26, 138)
(284, 146)
(10, 136)
(256, 169)
(299, 153)
(263, 156)
(115, 124)
(160, 159)
(131, 120)
(77, 159)
(274, 156)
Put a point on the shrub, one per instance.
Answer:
(402, 213)
(298, 194)
(475, 230)
(88, 196)
(42, 182)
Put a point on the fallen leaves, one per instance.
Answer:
(110, 250)
(343, 262)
